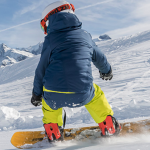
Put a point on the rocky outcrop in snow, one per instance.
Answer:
(102, 37)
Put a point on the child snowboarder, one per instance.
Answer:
(63, 77)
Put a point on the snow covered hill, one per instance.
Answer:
(10, 56)
(35, 49)
(128, 93)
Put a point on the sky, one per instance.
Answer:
(20, 19)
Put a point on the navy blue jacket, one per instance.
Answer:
(65, 63)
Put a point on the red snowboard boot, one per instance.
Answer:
(109, 126)
(53, 132)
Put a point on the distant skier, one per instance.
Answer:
(63, 77)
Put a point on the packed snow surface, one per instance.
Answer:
(128, 94)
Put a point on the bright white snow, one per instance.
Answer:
(128, 93)
(10, 56)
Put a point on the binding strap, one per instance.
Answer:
(64, 121)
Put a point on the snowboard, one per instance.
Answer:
(27, 139)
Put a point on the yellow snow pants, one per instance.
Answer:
(98, 108)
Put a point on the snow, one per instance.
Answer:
(128, 94)
(10, 56)
(35, 49)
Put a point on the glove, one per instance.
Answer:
(106, 76)
(36, 100)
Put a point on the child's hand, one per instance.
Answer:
(106, 76)
(36, 100)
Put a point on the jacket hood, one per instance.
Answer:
(63, 21)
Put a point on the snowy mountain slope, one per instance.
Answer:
(9, 56)
(19, 70)
(128, 94)
(35, 49)
(130, 60)
(113, 45)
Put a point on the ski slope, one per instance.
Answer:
(128, 93)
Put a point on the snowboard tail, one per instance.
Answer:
(19, 139)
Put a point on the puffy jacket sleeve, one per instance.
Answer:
(41, 68)
(100, 60)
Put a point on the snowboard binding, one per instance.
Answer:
(54, 132)
(109, 127)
